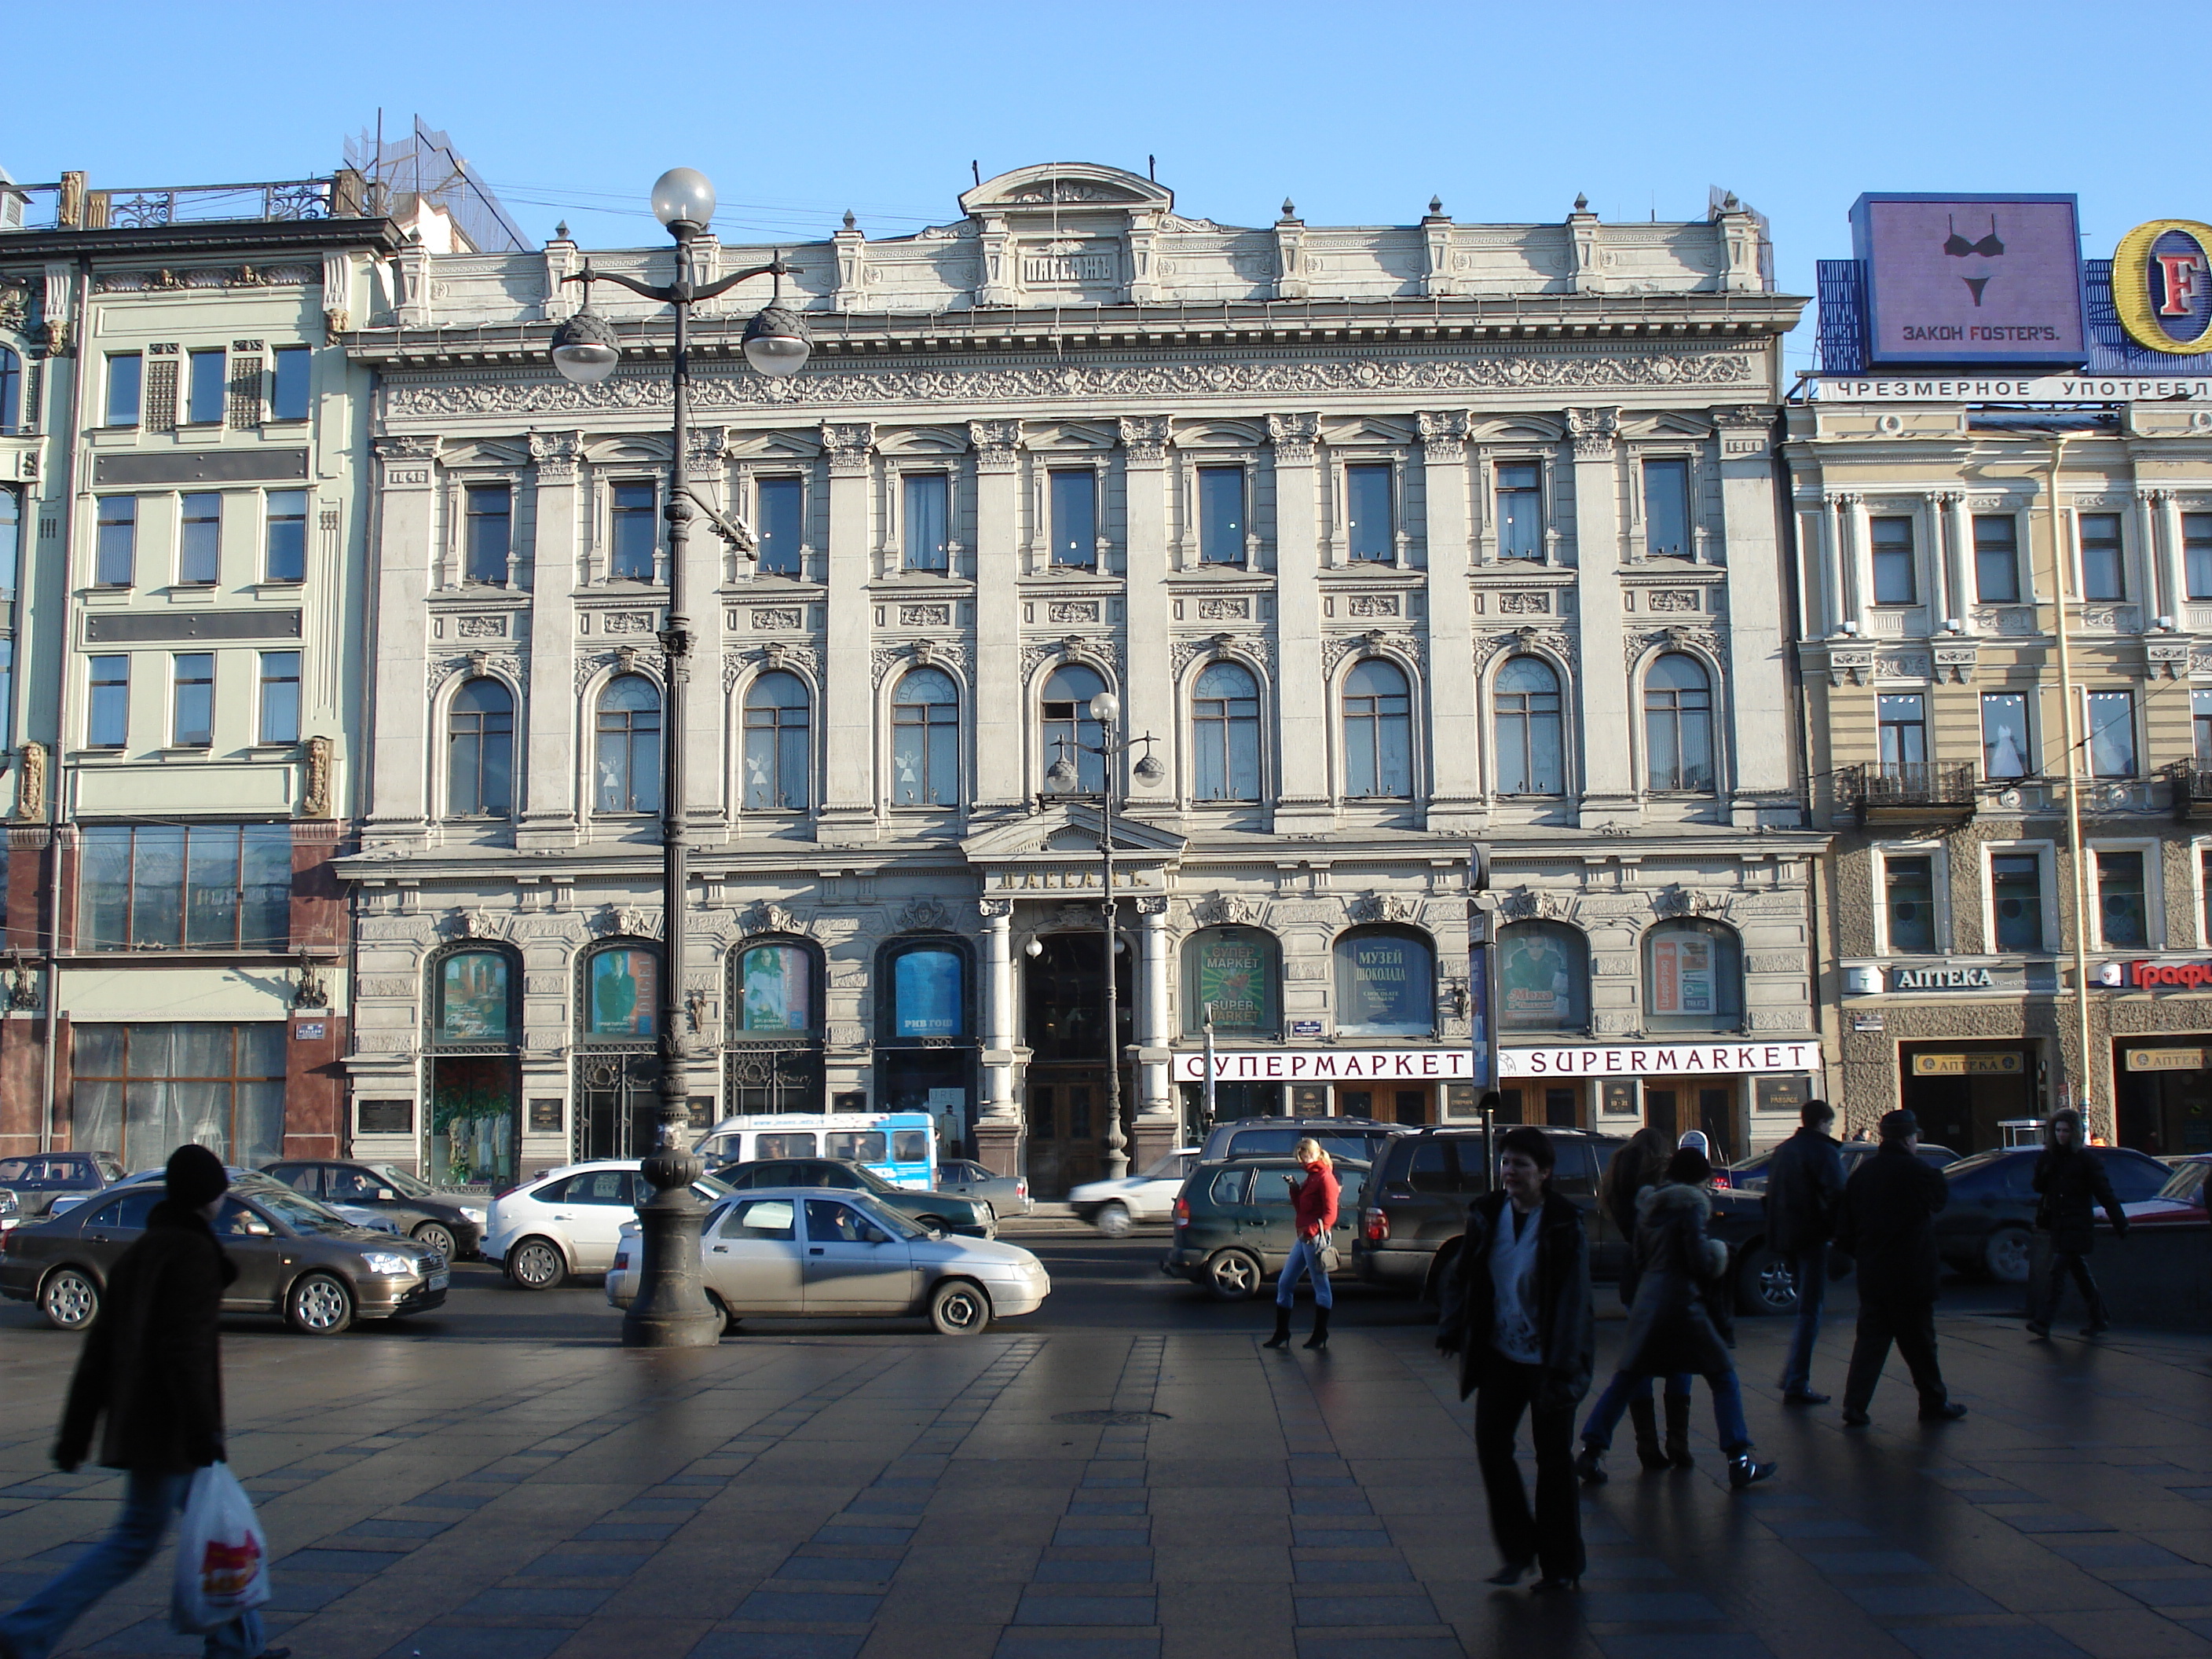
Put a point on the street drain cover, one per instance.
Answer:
(1109, 1419)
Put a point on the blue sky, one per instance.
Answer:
(1360, 113)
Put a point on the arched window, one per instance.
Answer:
(773, 1035)
(923, 992)
(1225, 722)
(925, 740)
(622, 993)
(1693, 978)
(480, 752)
(772, 993)
(1531, 745)
(475, 1124)
(777, 747)
(470, 999)
(11, 390)
(1385, 983)
(1067, 694)
(1238, 972)
(1678, 725)
(626, 762)
(1378, 731)
(1543, 977)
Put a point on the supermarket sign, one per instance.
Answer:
(1455, 1065)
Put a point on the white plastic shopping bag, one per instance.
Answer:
(222, 1558)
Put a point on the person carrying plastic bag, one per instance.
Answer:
(151, 1379)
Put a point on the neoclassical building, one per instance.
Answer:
(1391, 539)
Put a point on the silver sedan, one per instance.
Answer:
(805, 1253)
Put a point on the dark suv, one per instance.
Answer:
(1359, 1138)
(39, 1178)
(1234, 1225)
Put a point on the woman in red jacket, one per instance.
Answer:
(1314, 1202)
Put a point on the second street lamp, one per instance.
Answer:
(670, 1309)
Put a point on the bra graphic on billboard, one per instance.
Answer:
(1964, 280)
(2162, 286)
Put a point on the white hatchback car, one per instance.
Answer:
(809, 1253)
(567, 1221)
(1114, 1206)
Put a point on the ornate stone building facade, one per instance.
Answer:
(1390, 539)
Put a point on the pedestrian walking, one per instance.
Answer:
(1804, 1186)
(149, 1377)
(2071, 1183)
(1641, 1164)
(1313, 1204)
(1671, 1328)
(1887, 1224)
(1516, 1310)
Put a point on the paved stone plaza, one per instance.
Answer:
(502, 1482)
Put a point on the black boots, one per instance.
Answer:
(1745, 1471)
(1644, 1417)
(1590, 1464)
(1678, 1431)
(1320, 1337)
(1281, 1339)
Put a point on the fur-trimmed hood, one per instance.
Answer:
(1656, 1205)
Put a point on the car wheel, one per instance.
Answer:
(960, 1308)
(1233, 1275)
(1765, 1283)
(721, 1313)
(319, 1305)
(936, 1221)
(537, 1264)
(2005, 1257)
(1114, 1221)
(438, 1236)
(70, 1300)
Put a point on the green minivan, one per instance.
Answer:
(1233, 1229)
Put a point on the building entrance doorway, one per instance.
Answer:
(1962, 1091)
(1708, 1107)
(473, 1119)
(617, 1104)
(1064, 1023)
(2164, 1096)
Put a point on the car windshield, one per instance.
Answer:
(1974, 1161)
(406, 1184)
(2186, 1183)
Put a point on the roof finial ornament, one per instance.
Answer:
(1436, 206)
(1290, 209)
(851, 223)
(1582, 203)
(561, 231)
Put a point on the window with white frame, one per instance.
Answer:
(1667, 532)
(1996, 558)
(925, 515)
(1908, 903)
(488, 516)
(633, 531)
(2103, 569)
(1072, 501)
(1221, 515)
(2112, 734)
(781, 530)
(1520, 501)
(2019, 884)
(2008, 745)
(2196, 554)
(2200, 721)
(1370, 524)
(199, 539)
(2122, 898)
(1895, 579)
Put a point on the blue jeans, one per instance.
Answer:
(35, 1627)
(1809, 1268)
(1729, 1426)
(1305, 1258)
(1612, 1405)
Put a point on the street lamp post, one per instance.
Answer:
(1061, 779)
(670, 1309)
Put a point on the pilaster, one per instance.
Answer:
(1758, 711)
(398, 780)
(849, 796)
(547, 820)
(1148, 692)
(1453, 724)
(1001, 696)
(1301, 702)
(1609, 781)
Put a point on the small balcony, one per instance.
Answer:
(1908, 792)
(2193, 789)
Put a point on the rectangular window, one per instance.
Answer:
(1369, 520)
(204, 401)
(289, 400)
(199, 539)
(191, 721)
(2196, 554)
(202, 886)
(782, 525)
(924, 503)
(1996, 558)
(107, 709)
(7, 706)
(1074, 518)
(485, 534)
(1911, 904)
(2200, 709)
(1520, 510)
(280, 696)
(11, 536)
(1894, 580)
(2016, 900)
(115, 552)
(2104, 575)
(1904, 734)
(2122, 916)
(286, 557)
(2112, 734)
(635, 535)
(1221, 515)
(141, 1092)
(2008, 747)
(1667, 509)
(124, 371)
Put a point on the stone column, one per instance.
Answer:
(1602, 690)
(1959, 533)
(405, 744)
(1148, 691)
(1861, 565)
(705, 557)
(2164, 507)
(1300, 699)
(848, 792)
(1453, 723)
(1001, 696)
(1758, 713)
(1831, 556)
(1159, 1121)
(999, 1132)
(548, 729)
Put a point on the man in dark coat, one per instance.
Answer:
(1804, 1184)
(1517, 1312)
(150, 1379)
(1887, 1224)
(2072, 1185)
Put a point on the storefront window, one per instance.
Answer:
(1693, 978)
(776, 984)
(1234, 971)
(622, 990)
(928, 994)
(1543, 978)
(143, 1090)
(472, 998)
(1385, 983)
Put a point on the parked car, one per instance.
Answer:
(452, 1224)
(1988, 1227)
(568, 1220)
(1749, 1175)
(1114, 1206)
(359, 1215)
(2180, 1202)
(11, 1213)
(1234, 1226)
(801, 1253)
(948, 1212)
(39, 1178)
(294, 1257)
(1006, 1194)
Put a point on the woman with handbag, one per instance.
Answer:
(1313, 1202)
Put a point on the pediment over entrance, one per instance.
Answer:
(1066, 184)
(1055, 852)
